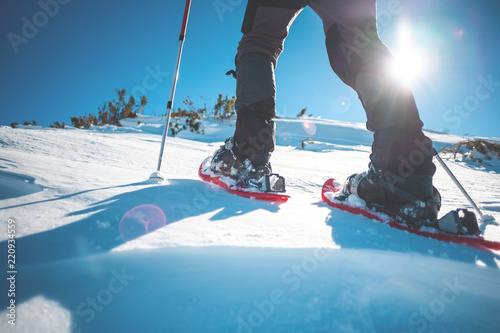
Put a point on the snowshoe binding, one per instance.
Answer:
(417, 209)
(226, 163)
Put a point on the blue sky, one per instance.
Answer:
(71, 63)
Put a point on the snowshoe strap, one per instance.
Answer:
(374, 177)
(397, 191)
(268, 183)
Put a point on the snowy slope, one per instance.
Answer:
(224, 263)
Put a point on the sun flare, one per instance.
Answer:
(411, 63)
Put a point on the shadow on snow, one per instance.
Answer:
(99, 228)
(358, 232)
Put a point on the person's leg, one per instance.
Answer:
(265, 27)
(400, 150)
(362, 61)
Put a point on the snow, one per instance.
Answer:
(215, 262)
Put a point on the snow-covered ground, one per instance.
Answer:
(223, 263)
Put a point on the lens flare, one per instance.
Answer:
(458, 34)
(285, 139)
(309, 126)
(141, 220)
(411, 62)
(340, 105)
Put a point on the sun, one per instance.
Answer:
(411, 62)
(409, 65)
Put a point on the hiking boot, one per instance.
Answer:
(412, 200)
(399, 179)
(247, 174)
(223, 159)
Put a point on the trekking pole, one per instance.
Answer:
(157, 174)
(460, 187)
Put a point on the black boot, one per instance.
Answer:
(399, 179)
(380, 194)
(228, 162)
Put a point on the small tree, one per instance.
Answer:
(118, 109)
(224, 108)
(112, 112)
(56, 124)
(477, 150)
(85, 121)
(191, 116)
(305, 142)
(302, 113)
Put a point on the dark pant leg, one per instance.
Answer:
(362, 61)
(265, 28)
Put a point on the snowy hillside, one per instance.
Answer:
(214, 262)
